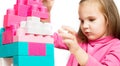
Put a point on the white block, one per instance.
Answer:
(41, 28)
(33, 19)
(23, 24)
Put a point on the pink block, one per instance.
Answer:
(10, 11)
(8, 35)
(22, 36)
(36, 49)
(12, 20)
(21, 9)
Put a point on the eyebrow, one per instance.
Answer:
(93, 17)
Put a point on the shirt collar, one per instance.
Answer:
(101, 40)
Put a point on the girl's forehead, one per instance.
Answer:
(90, 6)
(88, 9)
(91, 3)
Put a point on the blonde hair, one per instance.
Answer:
(110, 12)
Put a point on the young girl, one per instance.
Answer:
(97, 41)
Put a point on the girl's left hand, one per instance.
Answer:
(69, 38)
(48, 4)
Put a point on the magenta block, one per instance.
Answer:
(21, 2)
(44, 12)
(8, 35)
(37, 2)
(37, 49)
(38, 11)
(21, 9)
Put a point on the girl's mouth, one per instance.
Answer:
(87, 33)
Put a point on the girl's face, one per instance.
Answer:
(93, 23)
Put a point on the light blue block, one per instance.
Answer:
(1, 32)
(13, 49)
(19, 52)
(49, 49)
(21, 48)
(33, 61)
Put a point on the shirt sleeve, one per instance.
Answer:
(58, 42)
(111, 59)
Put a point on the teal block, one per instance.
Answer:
(49, 49)
(1, 32)
(21, 48)
(33, 61)
(16, 48)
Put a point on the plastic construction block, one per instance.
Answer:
(1, 35)
(50, 49)
(21, 35)
(38, 11)
(26, 49)
(37, 49)
(13, 49)
(41, 49)
(21, 10)
(34, 26)
(21, 2)
(13, 20)
(32, 2)
(8, 35)
(38, 28)
(33, 19)
(44, 12)
(33, 61)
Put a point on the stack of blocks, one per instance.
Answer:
(24, 37)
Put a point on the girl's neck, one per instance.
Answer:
(102, 39)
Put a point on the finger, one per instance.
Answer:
(67, 36)
(69, 29)
(67, 42)
(61, 30)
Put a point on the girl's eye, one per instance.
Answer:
(91, 20)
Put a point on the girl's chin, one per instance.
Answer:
(91, 38)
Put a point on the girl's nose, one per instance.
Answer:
(85, 25)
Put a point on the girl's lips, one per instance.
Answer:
(87, 33)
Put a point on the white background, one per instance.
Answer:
(64, 12)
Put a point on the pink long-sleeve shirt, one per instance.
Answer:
(102, 52)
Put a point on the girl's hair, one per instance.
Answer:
(110, 12)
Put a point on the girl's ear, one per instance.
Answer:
(107, 24)
(106, 20)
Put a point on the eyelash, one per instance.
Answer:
(91, 20)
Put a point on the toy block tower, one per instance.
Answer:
(26, 39)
